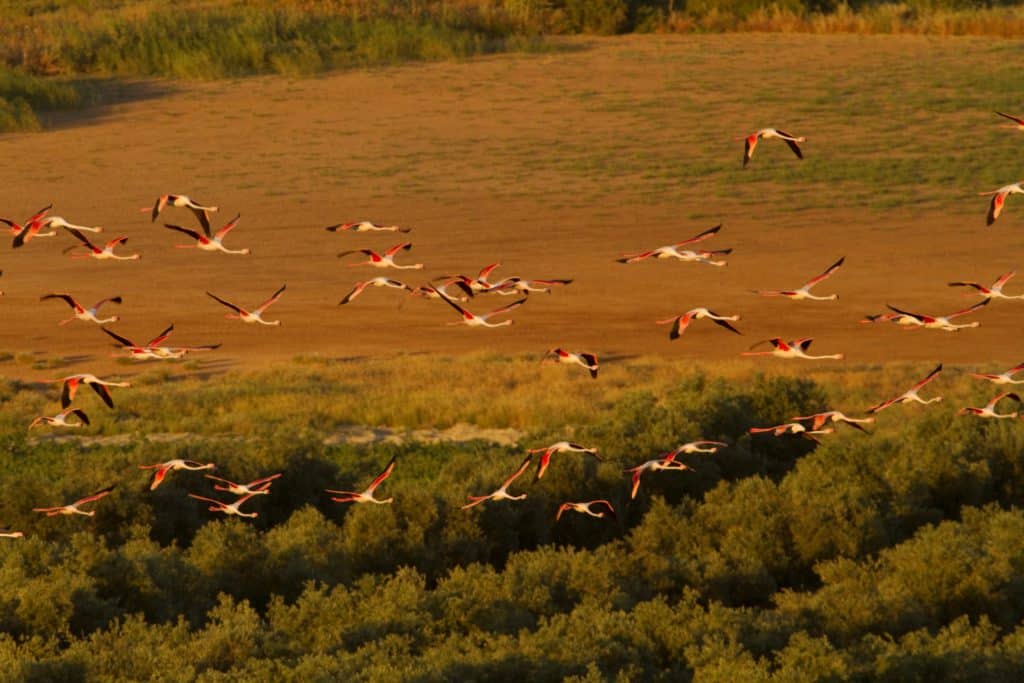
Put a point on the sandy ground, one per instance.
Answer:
(517, 159)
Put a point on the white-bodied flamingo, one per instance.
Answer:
(943, 322)
(793, 428)
(560, 447)
(502, 492)
(258, 487)
(586, 508)
(672, 250)
(163, 468)
(750, 142)
(83, 313)
(73, 508)
(993, 292)
(104, 254)
(367, 495)
(256, 314)
(208, 241)
(587, 360)
(61, 419)
(179, 200)
(365, 226)
(232, 509)
(804, 292)
(658, 464)
(514, 285)
(375, 282)
(481, 320)
(1003, 377)
(72, 382)
(385, 260)
(795, 348)
(681, 322)
(819, 420)
(910, 395)
(999, 198)
(989, 410)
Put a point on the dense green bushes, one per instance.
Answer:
(892, 556)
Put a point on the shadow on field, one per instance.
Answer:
(99, 96)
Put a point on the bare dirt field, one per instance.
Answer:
(553, 165)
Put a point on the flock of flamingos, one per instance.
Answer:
(455, 291)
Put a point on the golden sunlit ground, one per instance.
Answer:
(553, 165)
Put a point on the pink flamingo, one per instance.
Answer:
(560, 447)
(385, 260)
(164, 468)
(367, 495)
(804, 292)
(586, 508)
(210, 242)
(256, 314)
(502, 492)
(910, 395)
(587, 360)
(681, 322)
(73, 508)
(796, 348)
(750, 142)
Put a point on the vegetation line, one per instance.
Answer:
(49, 47)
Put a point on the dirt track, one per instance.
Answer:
(518, 159)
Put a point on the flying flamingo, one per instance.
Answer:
(993, 292)
(180, 200)
(1018, 123)
(999, 198)
(474, 320)
(942, 322)
(665, 463)
(587, 360)
(513, 285)
(472, 285)
(385, 260)
(367, 495)
(138, 351)
(672, 250)
(256, 314)
(83, 313)
(60, 222)
(796, 348)
(804, 292)
(206, 241)
(1003, 377)
(7, 533)
(61, 419)
(73, 508)
(681, 322)
(750, 142)
(910, 395)
(585, 508)
(793, 428)
(255, 488)
(31, 229)
(560, 447)
(502, 492)
(702, 446)
(232, 509)
(819, 420)
(98, 385)
(375, 282)
(163, 468)
(104, 254)
(990, 408)
(365, 226)
(905, 321)
(435, 292)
